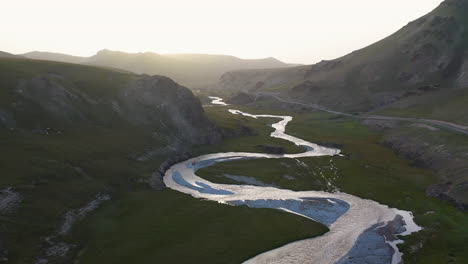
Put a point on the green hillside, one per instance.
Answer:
(83, 150)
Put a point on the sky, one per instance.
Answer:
(295, 31)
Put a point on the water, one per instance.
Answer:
(348, 217)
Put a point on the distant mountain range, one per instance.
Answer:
(191, 70)
(8, 55)
(420, 70)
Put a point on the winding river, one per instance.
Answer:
(361, 231)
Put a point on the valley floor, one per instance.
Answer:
(368, 170)
(142, 225)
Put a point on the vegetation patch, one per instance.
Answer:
(170, 227)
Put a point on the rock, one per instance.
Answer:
(443, 158)
(9, 201)
(156, 181)
(63, 101)
(73, 216)
(173, 160)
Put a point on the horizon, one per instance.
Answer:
(193, 30)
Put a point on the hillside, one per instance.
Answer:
(427, 56)
(37, 94)
(74, 137)
(8, 55)
(38, 55)
(192, 70)
(420, 72)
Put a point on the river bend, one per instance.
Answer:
(359, 228)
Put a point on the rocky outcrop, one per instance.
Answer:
(159, 100)
(9, 201)
(156, 179)
(55, 249)
(423, 145)
(55, 100)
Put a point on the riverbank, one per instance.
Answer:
(366, 169)
(347, 216)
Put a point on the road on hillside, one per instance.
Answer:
(439, 123)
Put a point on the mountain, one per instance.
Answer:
(40, 94)
(421, 71)
(38, 55)
(74, 137)
(192, 70)
(426, 58)
(8, 55)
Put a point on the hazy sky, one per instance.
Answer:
(302, 31)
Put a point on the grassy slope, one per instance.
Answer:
(95, 81)
(57, 172)
(367, 170)
(261, 128)
(446, 104)
(433, 105)
(169, 227)
(174, 228)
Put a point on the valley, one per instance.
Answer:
(368, 170)
(127, 136)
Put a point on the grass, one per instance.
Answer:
(170, 227)
(94, 81)
(65, 169)
(261, 129)
(441, 105)
(367, 170)
(140, 225)
(58, 172)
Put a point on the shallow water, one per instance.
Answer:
(348, 217)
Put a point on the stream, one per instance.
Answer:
(361, 231)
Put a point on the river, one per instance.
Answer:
(361, 230)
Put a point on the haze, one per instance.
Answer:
(296, 31)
